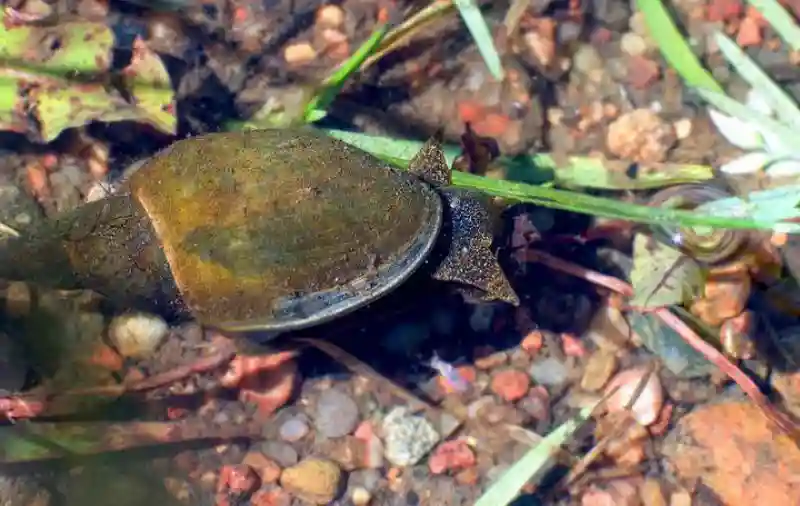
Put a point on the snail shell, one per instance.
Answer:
(716, 247)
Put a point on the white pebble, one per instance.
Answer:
(137, 335)
(648, 404)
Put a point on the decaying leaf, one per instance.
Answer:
(662, 275)
(59, 76)
(64, 50)
(12, 108)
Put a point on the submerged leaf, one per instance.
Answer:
(737, 132)
(12, 106)
(746, 164)
(662, 275)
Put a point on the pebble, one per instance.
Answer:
(633, 44)
(736, 453)
(137, 335)
(640, 136)
(598, 370)
(313, 479)
(510, 385)
(407, 438)
(268, 470)
(349, 452)
(549, 372)
(293, 430)
(360, 496)
(587, 59)
(274, 496)
(647, 405)
(451, 456)
(369, 479)
(651, 493)
(330, 16)
(373, 457)
(299, 53)
(536, 403)
(336, 414)
(18, 299)
(282, 453)
(491, 360)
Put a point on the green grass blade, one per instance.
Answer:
(314, 110)
(535, 463)
(780, 21)
(471, 14)
(609, 208)
(673, 46)
(399, 152)
(780, 101)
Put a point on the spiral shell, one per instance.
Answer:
(712, 248)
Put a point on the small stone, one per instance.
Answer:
(407, 437)
(491, 360)
(468, 476)
(536, 404)
(137, 335)
(599, 369)
(18, 299)
(293, 430)
(737, 453)
(299, 53)
(451, 456)
(549, 372)
(724, 10)
(369, 479)
(642, 72)
(330, 16)
(651, 493)
(373, 451)
(587, 59)
(683, 128)
(633, 44)
(680, 498)
(647, 405)
(619, 492)
(314, 480)
(640, 136)
(273, 496)
(510, 384)
(239, 480)
(533, 342)
(336, 414)
(724, 298)
(572, 346)
(267, 469)
(282, 453)
(349, 452)
(360, 496)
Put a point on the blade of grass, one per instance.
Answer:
(780, 21)
(403, 33)
(330, 87)
(609, 208)
(473, 18)
(673, 46)
(780, 101)
(535, 463)
(399, 152)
